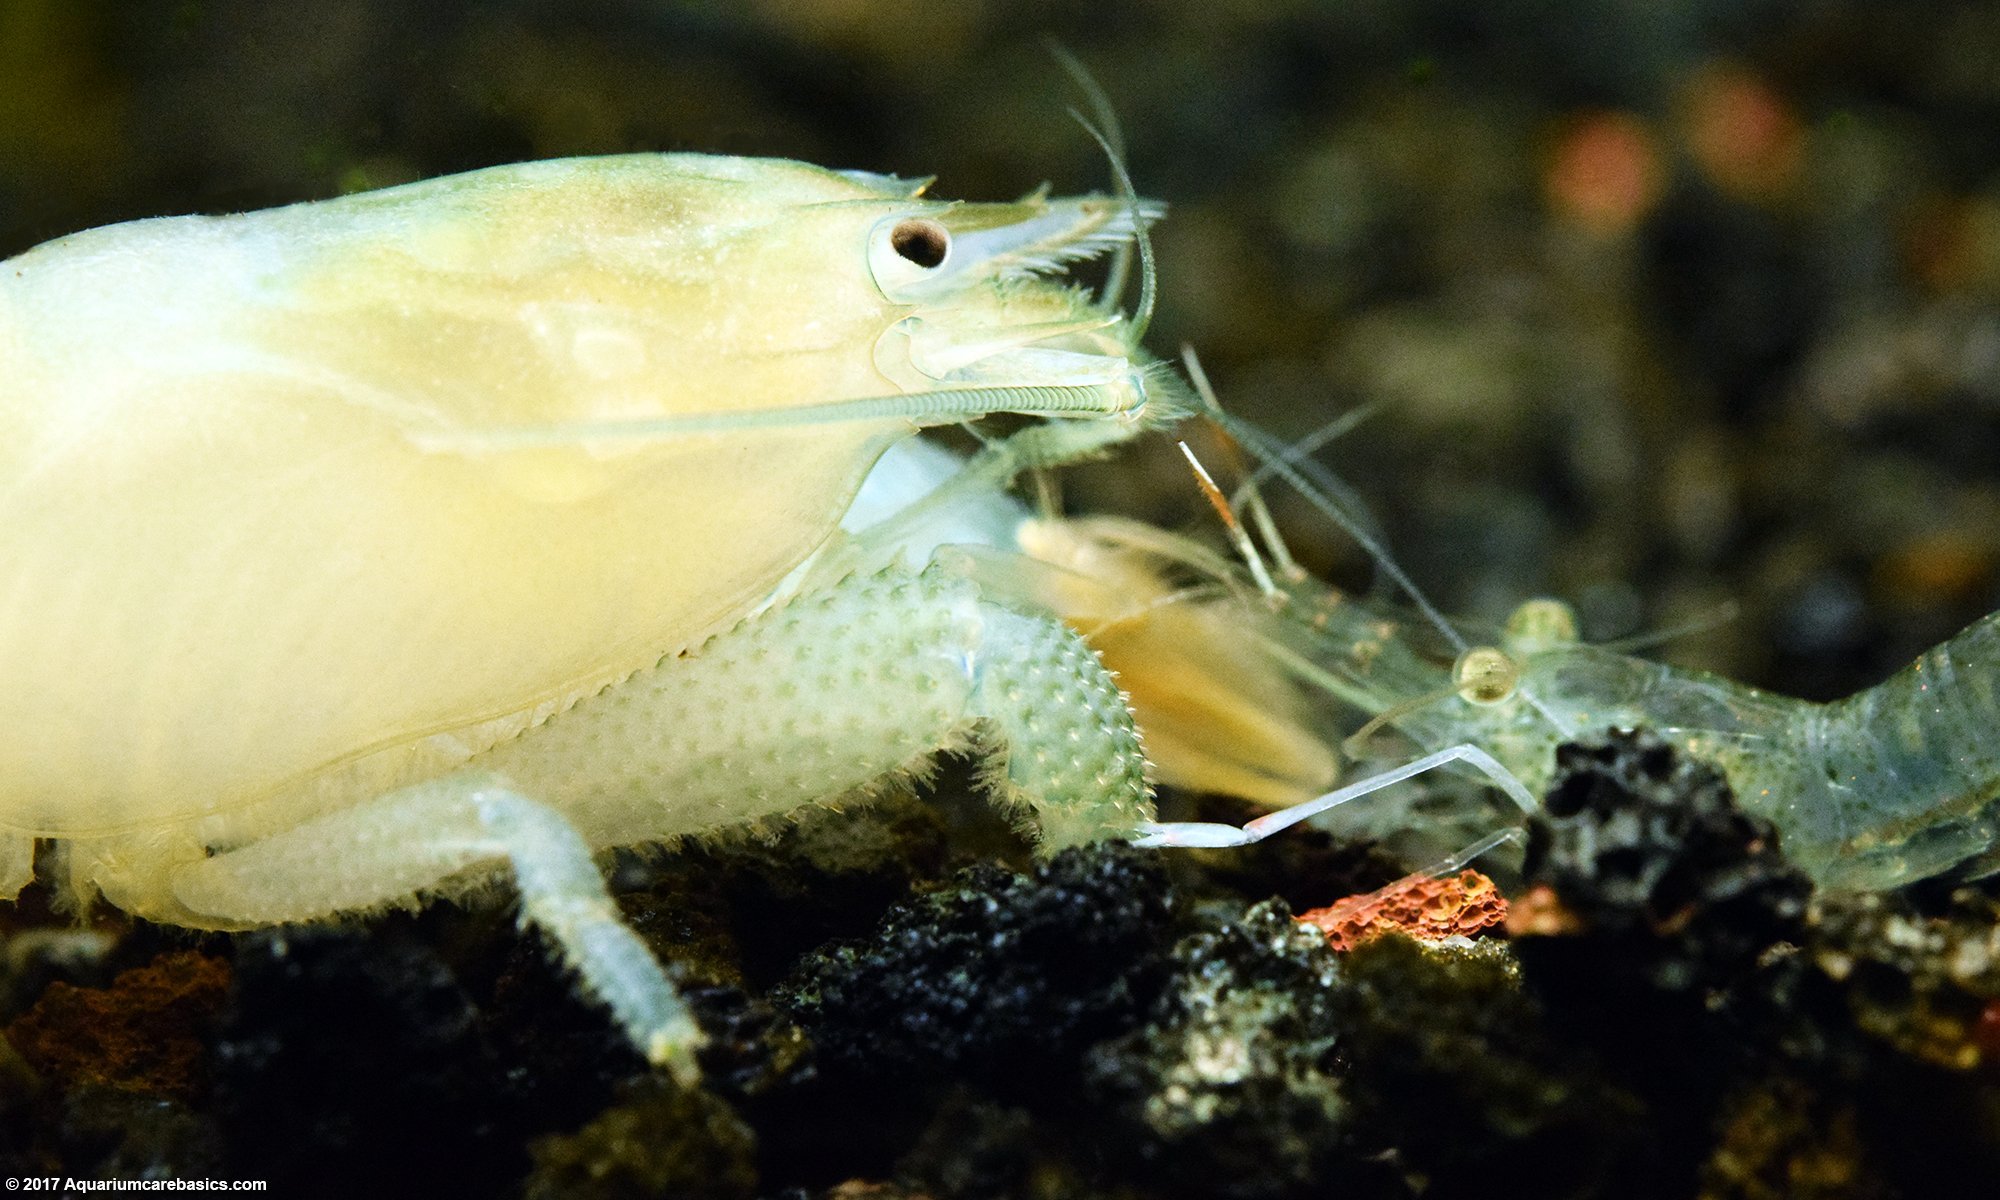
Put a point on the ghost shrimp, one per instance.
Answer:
(1891, 785)
(359, 549)
(1894, 784)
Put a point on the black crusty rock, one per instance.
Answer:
(995, 975)
(1229, 1089)
(1660, 929)
(1663, 883)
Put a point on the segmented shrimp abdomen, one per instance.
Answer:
(1902, 781)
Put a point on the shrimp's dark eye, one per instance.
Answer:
(924, 242)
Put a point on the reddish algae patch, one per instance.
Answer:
(143, 1033)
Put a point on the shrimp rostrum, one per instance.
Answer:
(367, 548)
(1894, 784)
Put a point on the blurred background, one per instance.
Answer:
(1656, 307)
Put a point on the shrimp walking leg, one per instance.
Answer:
(416, 837)
(1199, 833)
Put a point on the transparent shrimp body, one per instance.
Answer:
(1893, 784)
(1888, 786)
(359, 548)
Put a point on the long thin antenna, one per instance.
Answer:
(1142, 317)
(1106, 116)
(1248, 496)
(1245, 548)
(1312, 443)
(1273, 456)
(1267, 528)
(1718, 616)
(1300, 453)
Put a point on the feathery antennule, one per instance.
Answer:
(1116, 233)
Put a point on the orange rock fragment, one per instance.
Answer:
(1424, 908)
(144, 1032)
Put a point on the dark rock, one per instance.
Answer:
(818, 875)
(354, 1062)
(117, 1133)
(658, 1141)
(1457, 1072)
(1229, 1088)
(1659, 930)
(1648, 888)
(977, 1150)
(996, 976)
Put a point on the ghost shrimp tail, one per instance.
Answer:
(1902, 781)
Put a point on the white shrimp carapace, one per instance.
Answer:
(311, 519)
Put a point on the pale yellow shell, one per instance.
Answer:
(248, 529)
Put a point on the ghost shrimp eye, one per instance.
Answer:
(921, 241)
(1540, 625)
(1484, 675)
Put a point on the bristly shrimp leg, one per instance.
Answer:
(405, 841)
(1206, 834)
(809, 701)
(831, 691)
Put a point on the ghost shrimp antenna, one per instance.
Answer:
(1239, 538)
(1321, 488)
(1248, 498)
(1481, 674)
(1249, 494)
(1311, 481)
